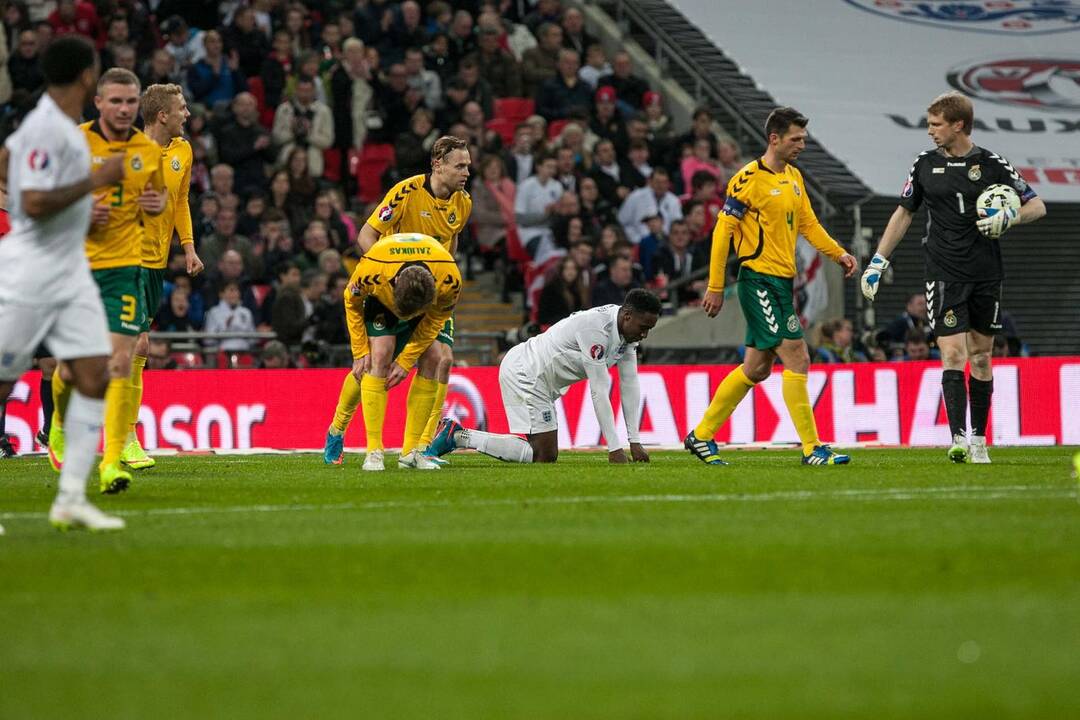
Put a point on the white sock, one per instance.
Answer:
(82, 433)
(509, 448)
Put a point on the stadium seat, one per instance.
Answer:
(332, 164)
(266, 114)
(370, 165)
(504, 127)
(188, 360)
(555, 127)
(514, 109)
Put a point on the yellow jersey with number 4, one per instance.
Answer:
(119, 241)
(373, 277)
(763, 216)
(411, 207)
(176, 161)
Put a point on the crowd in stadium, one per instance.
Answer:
(304, 113)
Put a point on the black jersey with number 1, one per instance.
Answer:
(955, 250)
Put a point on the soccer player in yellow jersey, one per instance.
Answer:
(114, 248)
(401, 293)
(164, 112)
(766, 209)
(437, 205)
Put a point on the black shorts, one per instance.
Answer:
(956, 307)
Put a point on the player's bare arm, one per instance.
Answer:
(43, 203)
(368, 236)
(894, 232)
(1030, 211)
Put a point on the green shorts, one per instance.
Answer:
(153, 287)
(380, 322)
(123, 296)
(446, 335)
(768, 305)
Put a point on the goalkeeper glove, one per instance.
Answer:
(993, 223)
(872, 277)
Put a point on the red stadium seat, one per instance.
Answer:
(188, 359)
(332, 164)
(555, 127)
(513, 109)
(370, 165)
(504, 127)
(266, 115)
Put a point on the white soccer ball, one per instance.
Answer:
(995, 198)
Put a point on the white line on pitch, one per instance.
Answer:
(971, 492)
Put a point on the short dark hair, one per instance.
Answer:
(916, 335)
(414, 290)
(701, 110)
(66, 58)
(642, 302)
(701, 178)
(781, 119)
(286, 267)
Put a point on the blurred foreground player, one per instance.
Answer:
(47, 293)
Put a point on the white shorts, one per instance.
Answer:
(70, 330)
(529, 405)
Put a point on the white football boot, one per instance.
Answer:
(978, 454)
(416, 460)
(374, 461)
(81, 514)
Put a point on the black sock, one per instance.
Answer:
(955, 393)
(45, 389)
(980, 392)
(3, 418)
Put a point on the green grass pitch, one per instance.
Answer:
(275, 587)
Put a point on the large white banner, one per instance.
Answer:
(865, 70)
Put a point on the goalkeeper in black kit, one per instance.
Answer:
(964, 270)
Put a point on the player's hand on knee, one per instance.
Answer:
(712, 302)
(361, 366)
(638, 454)
(872, 277)
(994, 226)
(396, 375)
(617, 457)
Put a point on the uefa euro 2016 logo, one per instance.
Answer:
(1011, 17)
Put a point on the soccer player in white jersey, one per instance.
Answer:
(536, 373)
(46, 291)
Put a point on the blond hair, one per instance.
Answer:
(158, 99)
(118, 76)
(446, 145)
(954, 107)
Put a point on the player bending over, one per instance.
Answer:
(401, 293)
(536, 373)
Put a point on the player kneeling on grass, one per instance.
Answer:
(534, 374)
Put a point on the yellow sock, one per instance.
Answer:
(116, 420)
(373, 403)
(797, 400)
(728, 395)
(61, 393)
(135, 388)
(417, 410)
(346, 405)
(436, 414)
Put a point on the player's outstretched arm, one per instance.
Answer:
(894, 233)
(367, 237)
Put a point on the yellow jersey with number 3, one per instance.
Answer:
(119, 241)
(763, 216)
(176, 161)
(373, 276)
(411, 207)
